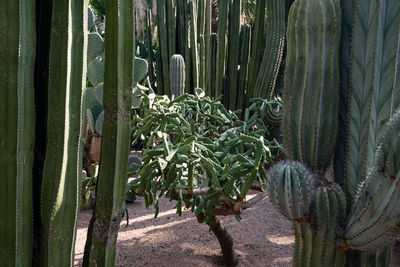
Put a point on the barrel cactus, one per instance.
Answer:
(177, 75)
(340, 121)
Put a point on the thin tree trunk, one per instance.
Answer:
(224, 238)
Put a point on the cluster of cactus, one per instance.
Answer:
(230, 62)
(40, 139)
(340, 185)
(41, 122)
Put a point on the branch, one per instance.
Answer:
(254, 200)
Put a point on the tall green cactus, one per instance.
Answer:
(60, 189)
(361, 112)
(233, 50)
(312, 82)
(118, 77)
(41, 124)
(17, 27)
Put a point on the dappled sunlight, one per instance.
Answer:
(281, 240)
(281, 260)
(149, 217)
(137, 233)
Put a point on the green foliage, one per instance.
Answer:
(199, 153)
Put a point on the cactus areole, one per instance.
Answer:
(341, 115)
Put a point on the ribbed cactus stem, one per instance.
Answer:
(244, 60)
(290, 188)
(256, 48)
(170, 19)
(60, 191)
(374, 218)
(180, 27)
(312, 82)
(202, 62)
(221, 50)
(149, 45)
(177, 75)
(233, 50)
(213, 66)
(209, 84)
(374, 48)
(193, 44)
(17, 58)
(163, 45)
(273, 52)
(188, 53)
(103, 229)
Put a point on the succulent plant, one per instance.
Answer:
(118, 79)
(177, 75)
(41, 99)
(343, 119)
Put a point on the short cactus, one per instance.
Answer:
(177, 75)
(290, 188)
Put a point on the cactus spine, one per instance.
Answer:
(118, 78)
(367, 153)
(177, 75)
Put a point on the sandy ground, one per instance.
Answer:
(262, 238)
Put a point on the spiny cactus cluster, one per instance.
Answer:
(354, 210)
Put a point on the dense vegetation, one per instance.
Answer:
(199, 89)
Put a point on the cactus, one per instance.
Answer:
(41, 147)
(177, 75)
(314, 105)
(361, 112)
(110, 192)
(221, 50)
(266, 81)
(17, 25)
(245, 33)
(291, 189)
(163, 52)
(233, 50)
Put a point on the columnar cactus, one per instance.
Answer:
(312, 82)
(118, 78)
(177, 75)
(41, 127)
(355, 209)
(17, 25)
